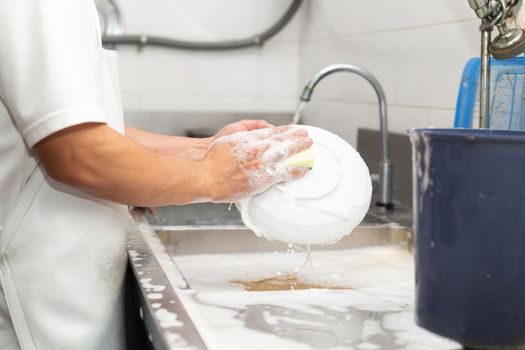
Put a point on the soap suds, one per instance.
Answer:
(149, 287)
(167, 319)
(154, 296)
(269, 145)
(377, 309)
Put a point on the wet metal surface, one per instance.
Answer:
(221, 214)
(164, 315)
(370, 316)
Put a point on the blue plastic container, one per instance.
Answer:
(469, 206)
(507, 91)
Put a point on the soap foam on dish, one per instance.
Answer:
(320, 208)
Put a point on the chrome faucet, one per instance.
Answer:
(385, 166)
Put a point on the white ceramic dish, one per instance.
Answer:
(320, 208)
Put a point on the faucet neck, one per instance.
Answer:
(385, 164)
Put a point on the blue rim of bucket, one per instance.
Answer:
(472, 134)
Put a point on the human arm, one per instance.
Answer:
(100, 161)
(49, 84)
(186, 147)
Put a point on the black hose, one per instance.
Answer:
(257, 40)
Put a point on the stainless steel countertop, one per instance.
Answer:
(164, 315)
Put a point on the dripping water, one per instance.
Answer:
(288, 282)
(307, 261)
(298, 111)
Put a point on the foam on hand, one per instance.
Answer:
(269, 144)
(319, 208)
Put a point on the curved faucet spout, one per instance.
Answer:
(385, 166)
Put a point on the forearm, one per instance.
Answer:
(185, 147)
(101, 162)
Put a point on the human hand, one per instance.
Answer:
(190, 148)
(243, 125)
(246, 163)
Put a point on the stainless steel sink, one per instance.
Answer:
(213, 215)
(187, 241)
(201, 214)
(216, 231)
(365, 297)
(185, 258)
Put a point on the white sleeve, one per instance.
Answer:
(48, 65)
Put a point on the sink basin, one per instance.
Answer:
(216, 214)
(205, 258)
(221, 282)
(358, 293)
(201, 214)
(199, 241)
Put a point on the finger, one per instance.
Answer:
(300, 144)
(267, 125)
(266, 133)
(293, 132)
(298, 172)
(289, 127)
(254, 149)
(292, 173)
(261, 134)
(281, 129)
(282, 150)
(255, 124)
(277, 152)
(282, 174)
(250, 125)
(300, 132)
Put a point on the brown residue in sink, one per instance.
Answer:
(281, 283)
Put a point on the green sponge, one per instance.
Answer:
(304, 158)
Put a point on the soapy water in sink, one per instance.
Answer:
(281, 283)
(348, 269)
(375, 310)
(288, 281)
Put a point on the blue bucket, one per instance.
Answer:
(469, 212)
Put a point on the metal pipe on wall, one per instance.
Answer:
(258, 40)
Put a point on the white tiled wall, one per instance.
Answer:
(417, 49)
(252, 80)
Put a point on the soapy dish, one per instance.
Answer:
(321, 207)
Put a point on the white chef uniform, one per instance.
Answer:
(62, 251)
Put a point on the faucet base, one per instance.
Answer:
(389, 206)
